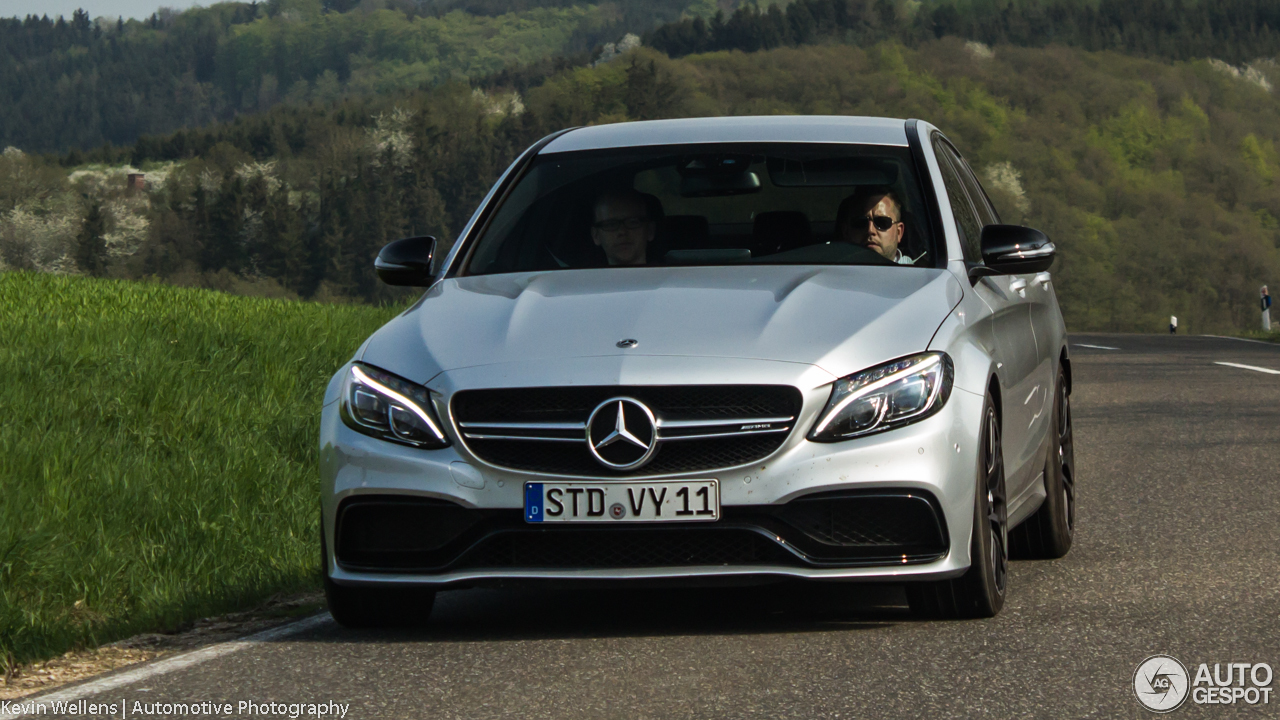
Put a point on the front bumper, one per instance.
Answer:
(930, 465)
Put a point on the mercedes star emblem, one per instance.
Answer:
(628, 343)
(622, 433)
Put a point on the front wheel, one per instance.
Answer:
(363, 607)
(980, 592)
(1048, 533)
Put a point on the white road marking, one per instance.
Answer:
(167, 665)
(1096, 347)
(1249, 367)
(1228, 337)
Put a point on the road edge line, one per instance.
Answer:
(169, 664)
(1228, 337)
(1255, 368)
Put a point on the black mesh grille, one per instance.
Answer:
(390, 533)
(673, 402)
(574, 404)
(898, 521)
(615, 548)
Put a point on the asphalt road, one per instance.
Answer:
(1177, 552)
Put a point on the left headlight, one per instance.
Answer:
(885, 397)
(384, 406)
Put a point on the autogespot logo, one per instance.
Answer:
(1160, 682)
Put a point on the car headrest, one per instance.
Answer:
(682, 232)
(910, 244)
(779, 231)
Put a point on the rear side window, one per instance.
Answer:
(967, 223)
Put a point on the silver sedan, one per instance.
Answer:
(711, 350)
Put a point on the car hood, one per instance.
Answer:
(841, 319)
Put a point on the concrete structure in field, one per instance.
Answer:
(136, 181)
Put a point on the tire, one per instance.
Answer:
(366, 607)
(980, 592)
(1048, 533)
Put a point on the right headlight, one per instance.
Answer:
(379, 404)
(885, 397)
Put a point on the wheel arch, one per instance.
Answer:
(1065, 361)
(993, 387)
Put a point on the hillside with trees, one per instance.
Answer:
(1235, 31)
(79, 83)
(1157, 179)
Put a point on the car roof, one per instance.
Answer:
(770, 128)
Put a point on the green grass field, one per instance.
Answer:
(157, 454)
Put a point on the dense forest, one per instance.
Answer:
(82, 82)
(1235, 31)
(1155, 178)
(79, 82)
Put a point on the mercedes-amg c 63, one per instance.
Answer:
(720, 350)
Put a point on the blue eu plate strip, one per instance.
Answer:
(533, 502)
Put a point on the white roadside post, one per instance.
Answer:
(1266, 310)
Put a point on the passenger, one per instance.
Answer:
(625, 223)
(872, 217)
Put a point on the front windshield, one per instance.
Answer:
(810, 203)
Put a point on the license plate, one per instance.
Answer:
(681, 501)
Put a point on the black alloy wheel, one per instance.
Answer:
(980, 592)
(997, 508)
(1049, 532)
(1066, 465)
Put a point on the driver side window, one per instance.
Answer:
(967, 223)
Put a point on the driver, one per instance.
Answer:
(625, 223)
(872, 217)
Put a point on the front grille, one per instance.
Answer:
(674, 457)
(700, 427)
(675, 402)
(617, 548)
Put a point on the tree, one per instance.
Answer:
(91, 244)
(647, 95)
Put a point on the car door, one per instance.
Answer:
(1015, 348)
(1037, 296)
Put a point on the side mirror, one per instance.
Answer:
(1014, 250)
(406, 262)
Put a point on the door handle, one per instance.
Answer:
(1043, 278)
(1019, 286)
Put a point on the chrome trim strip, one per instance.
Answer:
(737, 433)
(727, 434)
(524, 437)
(717, 423)
(524, 426)
(1042, 251)
(942, 568)
(661, 437)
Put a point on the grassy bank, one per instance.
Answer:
(157, 454)
(1273, 336)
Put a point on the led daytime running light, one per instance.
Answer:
(932, 366)
(412, 406)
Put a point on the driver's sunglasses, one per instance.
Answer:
(882, 222)
(630, 223)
